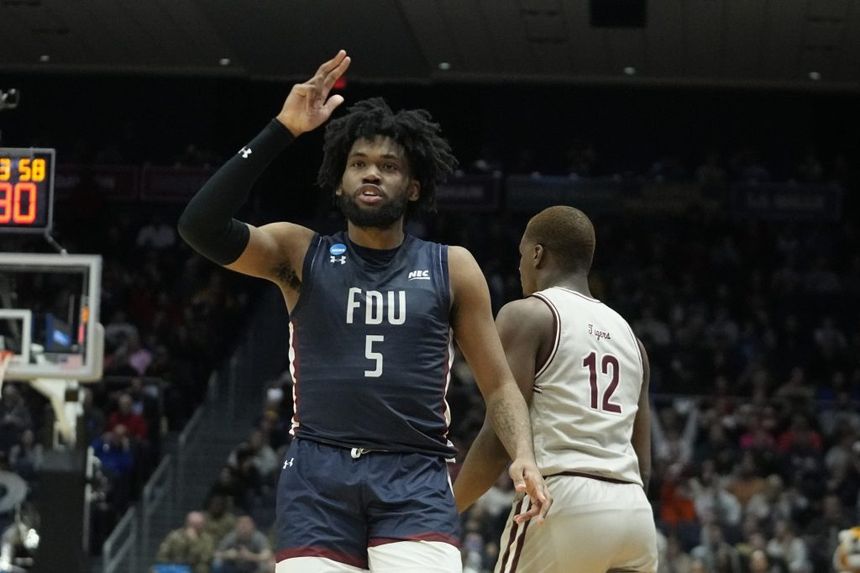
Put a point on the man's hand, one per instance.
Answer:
(527, 479)
(308, 105)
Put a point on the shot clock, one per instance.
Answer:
(26, 189)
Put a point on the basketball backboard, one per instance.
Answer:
(49, 316)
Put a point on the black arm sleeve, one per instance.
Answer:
(207, 224)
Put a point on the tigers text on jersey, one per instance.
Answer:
(370, 346)
(587, 394)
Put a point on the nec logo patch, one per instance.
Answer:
(419, 275)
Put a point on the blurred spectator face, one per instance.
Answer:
(245, 527)
(758, 541)
(28, 438)
(116, 436)
(715, 535)
(10, 395)
(748, 467)
(194, 522)
(832, 507)
(759, 562)
(255, 441)
(217, 506)
(125, 404)
(781, 529)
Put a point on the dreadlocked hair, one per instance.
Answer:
(429, 154)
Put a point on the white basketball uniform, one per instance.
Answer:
(585, 400)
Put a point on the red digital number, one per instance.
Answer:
(19, 216)
(590, 362)
(18, 204)
(5, 202)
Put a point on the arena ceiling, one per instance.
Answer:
(766, 43)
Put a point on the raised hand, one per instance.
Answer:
(527, 480)
(308, 105)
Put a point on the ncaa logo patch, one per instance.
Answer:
(337, 249)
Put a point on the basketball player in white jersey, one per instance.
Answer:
(585, 377)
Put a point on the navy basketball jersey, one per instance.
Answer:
(370, 346)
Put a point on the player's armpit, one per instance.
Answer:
(275, 252)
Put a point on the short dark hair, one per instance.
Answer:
(566, 233)
(429, 154)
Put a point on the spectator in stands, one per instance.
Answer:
(787, 546)
(745, 481)
(26, 456)
(712, 501)
(189, 545)
(14, 416)
(759, 562)
(822, 533)
(119, 329)
(219, 519)
(841, 415)
(243, 550)
(715, 553)
(262, 455)
(92, 419)
(229, 486)
(157, 234)
(674, 559)
(672, 444)
(114, 451)
(125, 415)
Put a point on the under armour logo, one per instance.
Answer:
(288, 463)
(245, 152)
(334, 259)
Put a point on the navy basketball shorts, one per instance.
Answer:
(335, 502)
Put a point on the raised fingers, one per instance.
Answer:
(332, 75)
(331, 64)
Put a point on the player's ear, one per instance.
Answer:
(339, 191)
(538, 254)
(413, 192)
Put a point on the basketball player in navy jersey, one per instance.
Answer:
(372, 312)
(585, 377)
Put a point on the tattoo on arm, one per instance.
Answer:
(287, 276)
(511, 423)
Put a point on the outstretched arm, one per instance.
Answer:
(525, 328)
(477, 337)
(274, 251)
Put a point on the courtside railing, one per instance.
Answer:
(154, 496)
(121, 543)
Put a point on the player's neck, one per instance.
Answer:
(574, 282)
(375, 237)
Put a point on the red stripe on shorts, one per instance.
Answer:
(513, 534)
(520, 544)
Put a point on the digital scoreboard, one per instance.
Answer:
(26, 189)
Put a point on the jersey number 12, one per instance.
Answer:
(608, 361)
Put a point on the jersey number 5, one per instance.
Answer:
(608, 360)
(371, 355)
